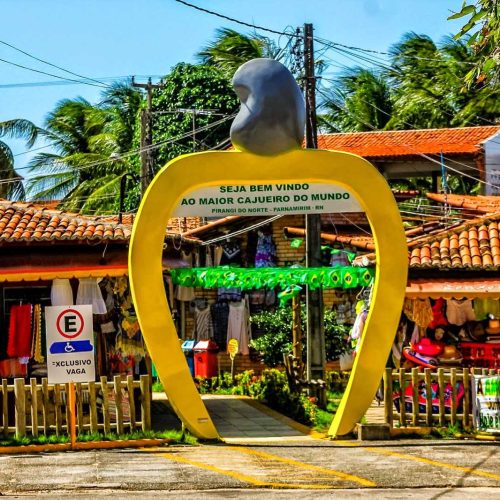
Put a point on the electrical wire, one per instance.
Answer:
(233, 20)
(414, 151)
(50, 64)
(55, 76)
(76, 82)
(469, 167)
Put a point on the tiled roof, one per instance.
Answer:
(482, 204)
(409, 142)
(472, 245)
(32, 222)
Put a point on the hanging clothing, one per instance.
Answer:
(19, 343)
(89, 292)
(185, 293)
(459, 311)
(439, 318)
(203, 324)
(209, 261)
(220, 316)
(36, 349)
(218, 251)
(266, 251)
(231, 294)
(358, 327)
(231, 254)
(239, 325)
(484, 307)
(419, 311)
(61, 293)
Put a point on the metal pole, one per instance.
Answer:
(315, 339)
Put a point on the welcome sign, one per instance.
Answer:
(267, 199)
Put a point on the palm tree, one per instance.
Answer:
(87, 165)
(11, 185)
(231, 49)
(359, 100)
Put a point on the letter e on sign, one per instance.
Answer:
(70, 323)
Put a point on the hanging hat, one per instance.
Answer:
(450, 355)
(477, 332)
(429, 348)
(493, 327)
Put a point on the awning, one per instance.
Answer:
(50, 273)
(465, 288)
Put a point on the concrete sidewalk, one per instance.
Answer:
(236, 418)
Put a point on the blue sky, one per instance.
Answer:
(115, 38)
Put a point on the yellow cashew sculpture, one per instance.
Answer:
(199, 170)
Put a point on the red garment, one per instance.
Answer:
(19, 343)
(438, 313)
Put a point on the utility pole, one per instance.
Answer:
(146, 133)
(315, 340)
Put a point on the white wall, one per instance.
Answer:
(492, 165)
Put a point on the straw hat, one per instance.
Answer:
(493, 327)
(450, 355)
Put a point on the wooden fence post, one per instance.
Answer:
(93, 408)
(57, 405)
(34, 407)
(79, 406)
(145, 403)
(428, 396)
(20, 404)
(467, 410)
(105, 405)
(453, 383)
(131, 399)
(45, 406)
(442, 420)
(414, 394)
(388, 397)
(402, 402)
(5, 407)
(117, 383)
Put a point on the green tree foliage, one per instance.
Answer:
(230, 49)
(20, 129)
(423, 87)
(85, 167)
(189, 88)
(277, 339)
(360, 102)
(482, 28)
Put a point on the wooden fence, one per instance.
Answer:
(433, 400)
(105, 406)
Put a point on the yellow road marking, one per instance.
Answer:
(424, 460)
(429, 461)
(242, 477)
(303, 465)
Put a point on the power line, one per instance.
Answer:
(233, 20)
(410, 148)
(125, 154)
(55, 76)
(75, 82)
(49, 63)
(470, 167)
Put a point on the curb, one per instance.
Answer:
(89, 445)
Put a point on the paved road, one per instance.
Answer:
(306, 467)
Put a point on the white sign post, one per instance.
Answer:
(70, 344)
